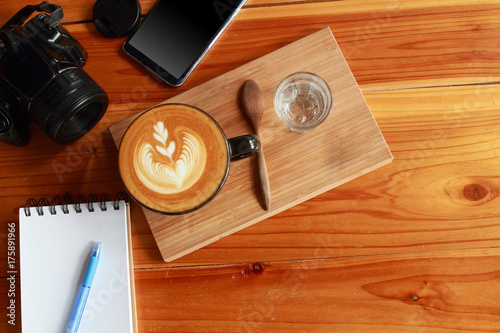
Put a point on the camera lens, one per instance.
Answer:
(81, 118)
(70, 107)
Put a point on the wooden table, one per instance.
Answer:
(413, 246)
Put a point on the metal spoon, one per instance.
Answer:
(253, 108)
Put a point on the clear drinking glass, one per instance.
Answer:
(303, 101)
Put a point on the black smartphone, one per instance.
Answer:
(175, 35)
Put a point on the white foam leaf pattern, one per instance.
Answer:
(161, 132)
(163, 151)
(171, 149)
(158, 137)
(157, 173)
(162, 136)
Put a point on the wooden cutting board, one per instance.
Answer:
(347, 145)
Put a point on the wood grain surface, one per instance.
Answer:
(300, 166)
(411, 247)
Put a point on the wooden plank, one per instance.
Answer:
(446, 291)
(387, 45)
(81, 10)
(387, 48)
(439, 291)
(89, 166)
(347, 145)
(447, 132)
(397, 40)
(442, 147)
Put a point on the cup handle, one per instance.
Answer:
(243, 146)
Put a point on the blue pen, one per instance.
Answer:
(83, 294)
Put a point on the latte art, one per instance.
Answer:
(173, 158)
(170, 167)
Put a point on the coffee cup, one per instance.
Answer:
(174, 158)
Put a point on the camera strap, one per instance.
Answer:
(52, 20)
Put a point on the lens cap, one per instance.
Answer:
(116, 18)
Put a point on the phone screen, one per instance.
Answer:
(175, 35)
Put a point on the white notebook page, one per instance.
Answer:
(54, 252)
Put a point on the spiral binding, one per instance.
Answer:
(67, 200)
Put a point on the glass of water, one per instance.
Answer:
(303, 101)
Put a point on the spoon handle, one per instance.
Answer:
(264, 180)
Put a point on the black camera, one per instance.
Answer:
(41, 79)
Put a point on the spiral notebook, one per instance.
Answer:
(55, 243)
